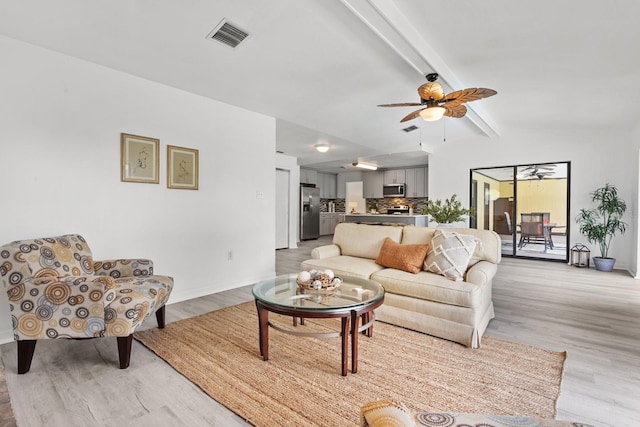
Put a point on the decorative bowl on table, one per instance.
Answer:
(318, 281)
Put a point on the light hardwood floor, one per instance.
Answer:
(593, 316)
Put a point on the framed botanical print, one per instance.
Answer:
(140, 159)
(182, 168)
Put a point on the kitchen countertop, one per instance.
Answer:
(369, 218)
(384, 215)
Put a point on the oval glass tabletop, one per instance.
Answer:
(283, 291)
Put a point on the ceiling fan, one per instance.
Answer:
(537, 171)
(436, 104)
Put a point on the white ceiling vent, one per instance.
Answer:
(228, 34)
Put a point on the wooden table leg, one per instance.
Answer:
(355, 318)
(345, 345)
(263, 321)
(369, 330)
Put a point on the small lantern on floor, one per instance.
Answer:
(580, 255)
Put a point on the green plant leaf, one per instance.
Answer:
(449, 211)
(600, 224)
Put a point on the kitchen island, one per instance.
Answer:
(406, 219)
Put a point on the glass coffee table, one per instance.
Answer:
(355, 299)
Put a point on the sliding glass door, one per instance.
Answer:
(526, 205)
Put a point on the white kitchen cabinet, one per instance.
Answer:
(321, 185)
(335, 220)
(327, 184)
(345, 177)
(332, 186)
(372, 184)
(416, 182)
(328, 222)
(395, 176)
(308, 176)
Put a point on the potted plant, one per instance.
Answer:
(601, 223)
(446, 212)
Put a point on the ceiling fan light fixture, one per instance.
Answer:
(432, 114)
(323, 148)
(362, 165)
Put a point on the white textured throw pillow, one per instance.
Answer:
(450, 253)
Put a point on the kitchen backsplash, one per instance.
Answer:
(324, 205)
(382, 204)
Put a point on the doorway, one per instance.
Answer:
(527, 206)
(282, 208)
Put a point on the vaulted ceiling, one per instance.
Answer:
(321, 67)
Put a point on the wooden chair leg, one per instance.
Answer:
(124, 350)
(25, 355)
(160, 317)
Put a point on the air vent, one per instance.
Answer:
(228, 34)
(410, 129)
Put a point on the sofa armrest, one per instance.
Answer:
(326, 251)
(482, 273)
(124, 268)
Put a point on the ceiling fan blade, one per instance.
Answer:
(538, 167)
(431, 90)
(456, 111)
(468, 95)
(412, 116)
(401, 104)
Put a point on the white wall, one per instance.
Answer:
(291, 164)
(633, 204)
(596, 158)
(60, 125)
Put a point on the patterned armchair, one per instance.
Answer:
(56, 290)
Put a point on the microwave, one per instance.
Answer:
(393, 190)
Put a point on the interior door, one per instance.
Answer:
(282, 208)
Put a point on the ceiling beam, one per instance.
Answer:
(386, 20)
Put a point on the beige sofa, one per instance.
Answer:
(427, 302)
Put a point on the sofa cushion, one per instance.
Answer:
(344, 265)
(450, 254)
(488, 250)
(429, 286)
(362, 240)
(404, 257)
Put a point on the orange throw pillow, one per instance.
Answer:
(403, 257)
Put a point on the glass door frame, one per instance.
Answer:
(474, 200)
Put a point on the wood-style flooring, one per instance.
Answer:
(593, 316)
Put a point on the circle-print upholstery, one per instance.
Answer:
(57, 290)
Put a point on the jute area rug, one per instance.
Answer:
(301, 384)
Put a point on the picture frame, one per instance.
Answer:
(182, 168)
(139, 159)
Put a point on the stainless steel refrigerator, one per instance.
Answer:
(309, 213)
